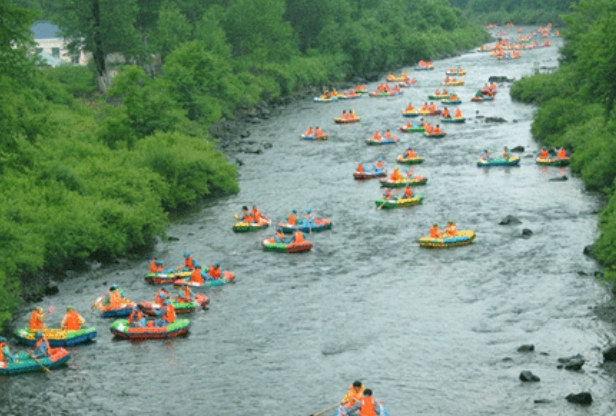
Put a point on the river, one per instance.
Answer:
(431, 332)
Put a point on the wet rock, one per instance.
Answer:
(542, 401)
(526, 233)
(51, 289)
(239, 162)
(172, 238)
(518, 149)
(559, 179)
(495, 78)
(191, 233)
(510, 220)
(267, 145)
(252, 150)
(255, 120)
(583, 398)
(589, 251)
(599, 275)
(495, 120)
(372, 76)
(610, 354)
(582, 273)
(573, 363)
(245, 134)
(528, 377)
(526, 348)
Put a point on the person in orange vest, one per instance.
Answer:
(435, 232)
(437, 92)
(298, 237)
(160, 296)
(561, 154)
(451, 229)
(446, 113)
(409, 153)
(458, 113)
(167, 315)
(247, 217)
(410, 107)
(387, 195)
(72, 321)
(197, 276)
(292, 217)
(408, 192)
(424, 107)
(432, 107)
(114, 297)
(156, 266)
(41, 348)
(380, 164)
(345, 115)
(506, 154)
(136, 319)
(318, 132)
(184, 294)
(544, 153)
(485, 155)
(437, 130)
(352, 115)
(367, 405)
(388, 134)
(396, 88)
(5, 352)
(493, 87)
(356, 391)
(214, 271)
(447, 79)
(36, 319)
(377, 136)
(429, 128)
(280, 237)
(408, 124)
(256, 214)
(395, 175)
(309, 132)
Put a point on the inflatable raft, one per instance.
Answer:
(382, 410)
(454, 120)
(200, 301)
(370, 141)
(26, 364)
(412, 129)
(476, 99)
(244, 227)
(512, 161)
(438, 97)
(57, 337)
(385, 94)
(320, 224)
(313, 137)
(415, 181)
(270, 244)
(435, 136)
(124, 309)
(398, 203)
(165, 277)
(454, 83)
(463, 237)
(413, 113)
(409, 161)
(340, 120)
(424, 68)
(122, 329)
(455, 73)
(401, 78)
(323, 99)
(434, 113)
(370, 174)
(553, 161)
(225, 277)
(350, 97)
(452, 102)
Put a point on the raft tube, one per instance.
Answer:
(424, 68)
(165, 278)
(434, 113)
(553, 162)
(463, 238)
(372, 142)
(270, 244)
(416, 181)
(320, 224)
(57, 337)
(438, 97)
(370, 174)
(243, 227)
(26, 364)
(455, 73)
(512, 161)
(107, 312)
(382, 410)
(398, 203)
(409, 161)
(413, 113)
(435, 136)
(322, 99)
(122, 329)
(339, 120)
(454, 120)
(412, 129)
(313, 137)
(200, 301)
(454, 83)
(401, 78)
(385, 94)
(225, 277)
(452, 102)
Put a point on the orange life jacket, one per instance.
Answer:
(115, 298)
(345, 116)
(388, 135)
(352, 396)
(545, 154)
(256, 214)
(437, 92)
(134, 316)
(169, 314)
(452, 229)
(157, 298)
(561, 154)
(387, 195)
(379, 165)
(424, 107)
(40, 341)
(410, 153)
(299, 237)
(195, 276)
(213, 272)
(309, 132)
(280, 235)
(293, 217)
(319, 132)
(368, 406)
(377, 135)
(429, 128)
(437, 130)
(432, 108)
(435, 233)
(36, 320)
(408, 124)
(408, 192)
(446, 113)
(153, 267)
(410, 108)
(458, 113)
(71, 322)
(185, 295)
(360, 169)
(2, 345)
(188, 263)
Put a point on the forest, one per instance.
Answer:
(91, 166)
(519, 12)
(576, 109)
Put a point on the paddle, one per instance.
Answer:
(96, 303)
(41, 364)
(325, 410)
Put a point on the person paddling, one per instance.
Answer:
(367, 405)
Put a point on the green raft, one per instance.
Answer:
(398, 203)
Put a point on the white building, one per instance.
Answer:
(47, 38)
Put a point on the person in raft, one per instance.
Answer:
(156, 266)
(198, 276)
(356, 391)
(72, 321)
(408, 192)
(298, 237)
(36, 319)
(114, 297)
(41, 348)
(309, 220)
(387, 196)
(256, 214)
(280, 237)
(309, 132)
(544, 153)
(366, 405)
(561, 153)
(485, 155)
(136, 319)
(292, 217)
(5, 352)
(506, 153)
(380, 164)
(452, 229)
(213, 272)
(166, 313)
(435, 232)
(184, 294)
(189, 261)
(160, 296)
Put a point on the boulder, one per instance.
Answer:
(239, 162)
(559, 179)
(610, 354)
(245, 134)
(495, 78)
(526, 348)
(584, 398)
(267, 145)
(51, 289)
(526, 233)
(518, 149)
(172, 238)
(510, 220)
(495, 120)
(542, 401)
(589, 251)
(528, 377)
(573, 363)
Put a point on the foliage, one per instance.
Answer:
(516, 11)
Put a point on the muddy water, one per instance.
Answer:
(432, 332)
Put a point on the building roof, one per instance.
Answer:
(45, 30)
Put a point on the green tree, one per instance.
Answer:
(172, 29)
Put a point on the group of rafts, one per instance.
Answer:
(50, 343)
(505, 49)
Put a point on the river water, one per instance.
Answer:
(432, 332)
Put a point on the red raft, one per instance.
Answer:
(201, 301)
(122, 329)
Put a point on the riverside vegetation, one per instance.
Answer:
(576, 109)
(91, 167)
(520, 12)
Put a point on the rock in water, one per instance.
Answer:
(589, 251)
(526, 348)
(51, 289)
(495, 120)
(559, 179)
(527, 376)
(584, 398)
(518, 149)
(510, 220)
(610, 354)
(573, 363)
(527, 233)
